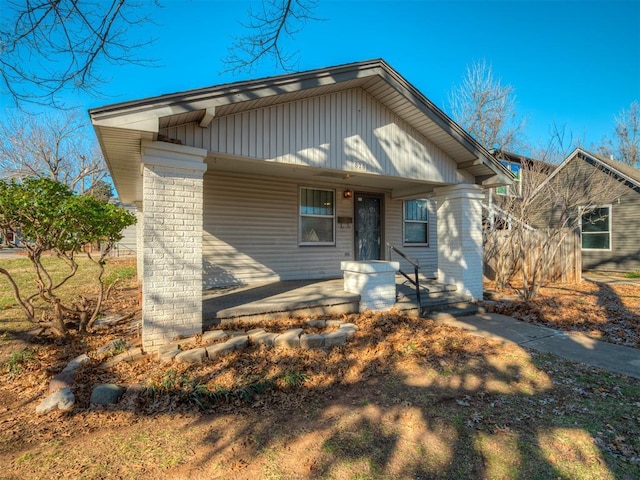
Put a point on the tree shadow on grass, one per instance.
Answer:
(405, 398)
(475, 417)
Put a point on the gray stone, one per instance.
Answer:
(219, 349)
(75, 364)
(165, 348)
(350, 325)
(311, 340)
(290, 338)
(238, 342)
(167, 353)
(112, 345)
(196, 355)
(213, 336)
(256, 331)
(106, 394)
(348, 329)
(316, 323)
(334, 323)
(62, 400)
(236, 333)
(64, 379)
(130, 355)
(334, 339)
(264, 338)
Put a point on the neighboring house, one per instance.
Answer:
(285, 177)
(495, 207)
(127, 246)
(9, 239)
(610, 230)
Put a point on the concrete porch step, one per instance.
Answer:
(434, 297)
(435, 302)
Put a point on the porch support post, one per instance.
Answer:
(459, 225)
(172, 242)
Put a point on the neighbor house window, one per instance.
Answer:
(317, 216)
(516, 188)
(416, 221)
(596, 229)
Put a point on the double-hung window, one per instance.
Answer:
(596, 228)
(317, 216)
(416, 222)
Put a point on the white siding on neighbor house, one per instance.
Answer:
(251, 232)
(127, 246)
(348, 130)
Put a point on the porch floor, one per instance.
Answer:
(272, 300)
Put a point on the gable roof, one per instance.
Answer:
(629, 173)
(618, 169)
(121, 127)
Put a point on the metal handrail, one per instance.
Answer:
(416, 268)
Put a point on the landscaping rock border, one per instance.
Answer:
(229, 341)
(214, 344)
(60, 395)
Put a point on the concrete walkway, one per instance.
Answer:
(597, 277)
(576, 347)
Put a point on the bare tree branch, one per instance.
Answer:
(267, 30)
(627, 133)
(49, 46)
(533, 225)
(57, 147)
(486, 109)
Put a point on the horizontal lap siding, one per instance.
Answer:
(251, 232)
(347, 130)
(427, 256)
(625, 238)
(583, 178)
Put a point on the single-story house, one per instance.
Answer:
(284, 177)
(609, 230)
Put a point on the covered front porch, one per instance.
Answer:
(298, 298)
(256, 185)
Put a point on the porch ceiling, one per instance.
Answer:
(121, 127)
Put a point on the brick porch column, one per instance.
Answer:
(172, 241)
(459, 221)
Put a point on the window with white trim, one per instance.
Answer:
(596, 228)
(516, 188)
(317, 216)
(416, 222)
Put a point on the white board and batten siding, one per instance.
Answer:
(348, 130)
(251, 232)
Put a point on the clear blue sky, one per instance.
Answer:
(573, 63)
